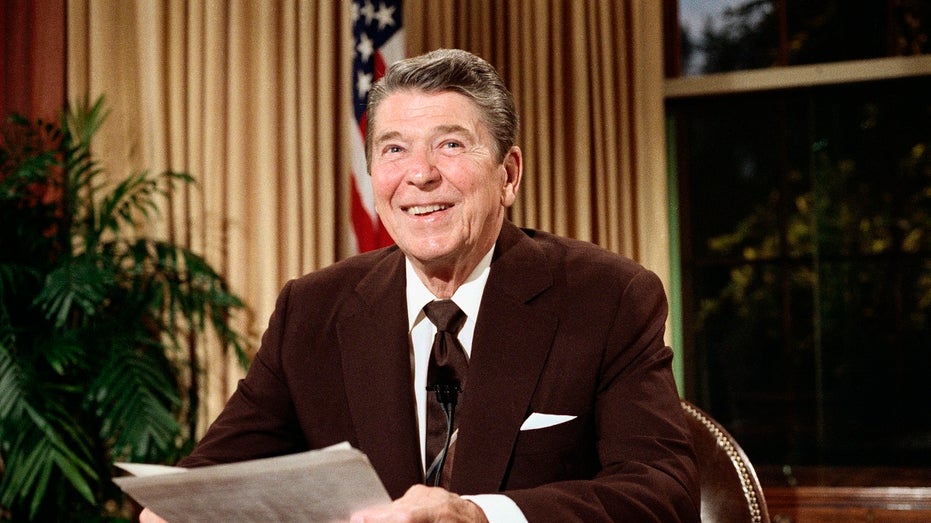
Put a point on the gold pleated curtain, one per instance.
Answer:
(251, 98)
(587, 77)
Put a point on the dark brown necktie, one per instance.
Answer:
(447, 368)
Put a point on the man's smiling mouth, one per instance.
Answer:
(420, 210)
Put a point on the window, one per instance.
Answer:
(805, 224)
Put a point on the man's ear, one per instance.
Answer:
(513, 170)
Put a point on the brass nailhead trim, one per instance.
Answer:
(745, 482)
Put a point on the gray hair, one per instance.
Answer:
(457, 71)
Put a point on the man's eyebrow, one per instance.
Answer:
(387, 135)
(452, 128)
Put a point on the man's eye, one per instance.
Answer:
(393, 149)
(452, 145)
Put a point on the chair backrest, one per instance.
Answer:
(730, 489)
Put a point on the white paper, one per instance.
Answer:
(145, 469)
(324, 485)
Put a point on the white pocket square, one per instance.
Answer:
(538, 420)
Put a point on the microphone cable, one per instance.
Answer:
(447, 394)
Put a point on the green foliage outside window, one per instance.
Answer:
(812, 286)
(806, 230)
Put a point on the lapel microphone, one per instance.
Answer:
(447, 394)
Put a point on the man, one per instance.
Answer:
(568, 410)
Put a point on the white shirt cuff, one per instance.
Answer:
(498, 508)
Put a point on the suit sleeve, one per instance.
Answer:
(258, 420)
(647, 465)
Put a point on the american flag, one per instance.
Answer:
(378, 40)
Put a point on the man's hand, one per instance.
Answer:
(420, 504)
(147, 516)
(423, 504)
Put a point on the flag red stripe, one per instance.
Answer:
(378, 40)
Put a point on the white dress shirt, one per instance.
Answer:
(468, 297)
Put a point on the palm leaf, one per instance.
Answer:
(29, 171)
(64, 351)
(134, 194)
(82, 282)
(37, 442)
(136, 405)
(37, 456)
(12, 401)
(97, 327)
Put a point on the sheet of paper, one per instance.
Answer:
(146, 469)
(324, 485)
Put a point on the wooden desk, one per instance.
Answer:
(823, 495)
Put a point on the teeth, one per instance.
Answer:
(424, 209)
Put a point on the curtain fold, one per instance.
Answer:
(245, 96)
(32, 58)
(587, 77)
(251, 98)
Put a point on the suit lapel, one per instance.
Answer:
(510, 334)
(377, 368)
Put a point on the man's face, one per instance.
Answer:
(439, 189)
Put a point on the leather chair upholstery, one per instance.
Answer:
(730, 489)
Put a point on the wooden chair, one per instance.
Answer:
(730, 489)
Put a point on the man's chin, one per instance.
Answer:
(430, 255)
(437, 255)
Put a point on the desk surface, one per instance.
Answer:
(775, 476)
(851, 495)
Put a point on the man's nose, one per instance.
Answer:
(422, 170)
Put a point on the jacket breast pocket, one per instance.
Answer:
(560, 452)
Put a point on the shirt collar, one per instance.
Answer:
(468, 296)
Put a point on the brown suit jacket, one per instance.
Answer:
(564, 328)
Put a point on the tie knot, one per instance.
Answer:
(446, 315)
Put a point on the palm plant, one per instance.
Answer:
(97, 323)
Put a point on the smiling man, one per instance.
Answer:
(441, 183)
(554, 353)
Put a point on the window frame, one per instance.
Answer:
(797, 76)
(775, 79)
